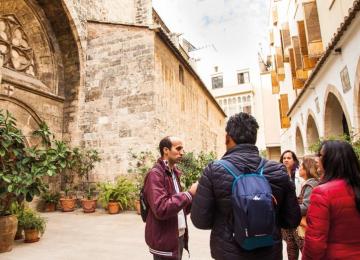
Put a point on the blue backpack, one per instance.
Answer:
(253, 209)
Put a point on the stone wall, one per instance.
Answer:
(119, 99)
(185, 109)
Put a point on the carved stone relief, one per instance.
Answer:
(15, 52)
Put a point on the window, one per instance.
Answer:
(217, 82)
(243, 77)
(181, 74)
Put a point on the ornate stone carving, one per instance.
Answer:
(15, 52)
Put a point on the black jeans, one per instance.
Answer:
(181, 248)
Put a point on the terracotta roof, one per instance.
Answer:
(332, 45)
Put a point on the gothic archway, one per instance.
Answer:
(336, 122)
(299, 143)
(312, 133)
(39, 53)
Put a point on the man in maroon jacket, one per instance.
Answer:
(166, 231)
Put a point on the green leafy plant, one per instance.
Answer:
(122, 191)
(81, 162)
(351, 139)
(30, 219)
(140, 164)
(193, 165)
(50, 197)
(22, 168)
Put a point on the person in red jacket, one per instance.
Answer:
(333, 216)
(166, 231)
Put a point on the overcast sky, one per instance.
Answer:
(234, 27)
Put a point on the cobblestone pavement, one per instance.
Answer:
(98, 236)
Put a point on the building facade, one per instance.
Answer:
(104, 75)
(315, 70)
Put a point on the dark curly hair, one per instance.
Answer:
(242, 128)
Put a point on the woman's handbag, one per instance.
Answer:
(302, 227)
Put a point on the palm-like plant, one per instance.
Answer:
(122, 191)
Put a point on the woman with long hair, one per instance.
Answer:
(308, 171)
(291, 162)
(333, 216)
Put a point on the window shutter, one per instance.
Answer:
(271, 37)
(315, 47)
(286, 40)
(279, 62)
(284, 109)
(302, 38)
(275, 83)
(292, 62)
(274, 15)
(300, 73)
(297, 83)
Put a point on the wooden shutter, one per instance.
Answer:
(286, 41)
(279, 62)
(274, 15)
(292, 62)
(312, 25)
(275, 83)
(284, 109)
(271, 37)
(302, 38)
(307, 62)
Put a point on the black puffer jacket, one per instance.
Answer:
(212, 209)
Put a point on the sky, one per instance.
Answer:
(234, 27)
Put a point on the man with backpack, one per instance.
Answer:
(166, 231)
(245, 199)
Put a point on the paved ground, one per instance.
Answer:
(98, 236)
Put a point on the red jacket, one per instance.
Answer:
(161, 230)
(333, 223)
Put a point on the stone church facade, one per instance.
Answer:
(103, 74)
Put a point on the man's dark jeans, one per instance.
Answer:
(181, 248)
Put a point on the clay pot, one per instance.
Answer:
(113, 207)
(67, 204)
(31, 235)
(49, 207)
(8, 227)
(137, 206)
(88, 206)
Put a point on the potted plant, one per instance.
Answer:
(116, 196)
(84, 161)
(81, 162)
(22, 170)
(17, 210)
(89, 202)
(33, 225)
(50, 199)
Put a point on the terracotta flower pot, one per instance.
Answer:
(49, 207)
(8, 227)
(67, 204)
(31, 235)
(137, 206)
(113, 207)
(89, 206)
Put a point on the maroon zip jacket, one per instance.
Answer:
(161, 230)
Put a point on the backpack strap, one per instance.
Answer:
(234, 171)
